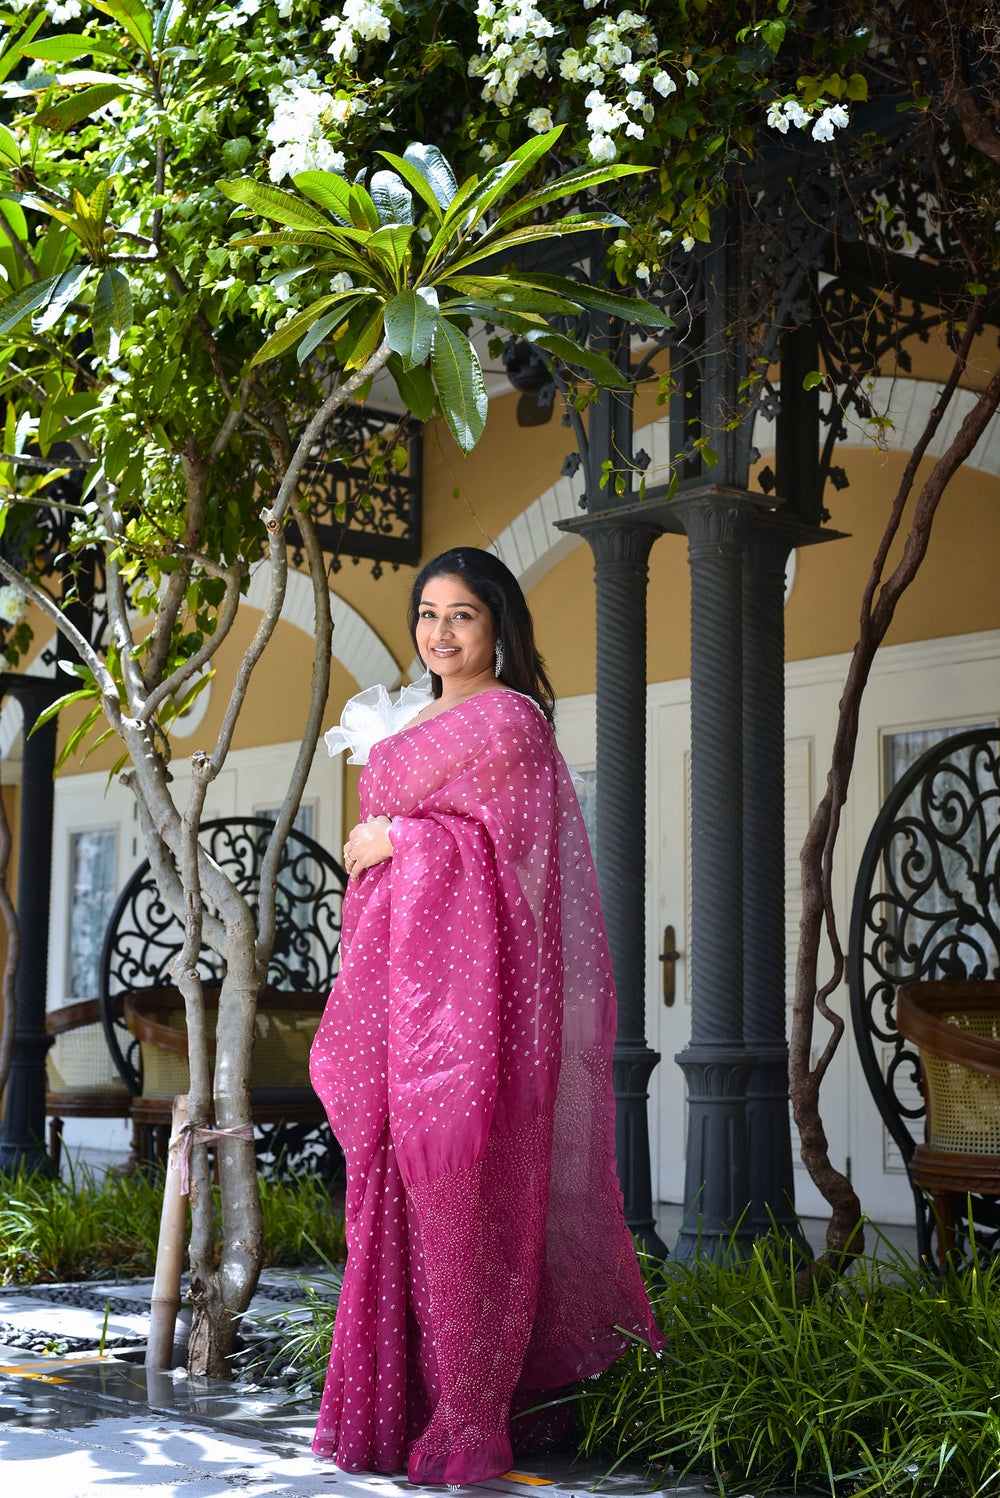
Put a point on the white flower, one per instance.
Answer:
(340, 111)
(487, 150)
(687, 243)
(68, 11)
(777, 118)
(635, 98)
(569, 64)
(13, 604)
(341, 282)
(642, 271)
(540, 120)
(664, 84)
(795, 113)
(691, 76)
(633, 129)
(834, 117)
(631, 73)
(602, 148)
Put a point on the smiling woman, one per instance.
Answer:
(465, 1062)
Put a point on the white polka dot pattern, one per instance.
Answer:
(465, 1062)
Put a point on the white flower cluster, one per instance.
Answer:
(618, 60)
(359, 21)
(785, 112)
(511, 35)
(13, 604)
(58, 11)
(303, 112)
(234, 16)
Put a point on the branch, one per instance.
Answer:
(204, 327)
(82, 646)
(233, 419)
(224, 623)
(273, 516)
(979, 130)
(46, 464)
(20, 250)
(322, 645)
(265, 629)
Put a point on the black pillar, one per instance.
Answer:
(772, 1183)
(717, 1063)
(621, 553)
(22, 1139)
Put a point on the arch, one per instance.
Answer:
(355, 644)
(531, 547)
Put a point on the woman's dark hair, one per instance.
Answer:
(497, 587)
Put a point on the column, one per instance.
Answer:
(771, 1177)
(22, 1140)
(717, 1063)
(621, 552)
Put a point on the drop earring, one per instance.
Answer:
(498, 659)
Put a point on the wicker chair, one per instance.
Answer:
(284, 1029)
(81, 1079)
(956, 1028)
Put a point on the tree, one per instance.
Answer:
(133, 351)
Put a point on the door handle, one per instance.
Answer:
(669, 957)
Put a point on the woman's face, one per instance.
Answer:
(455, 634)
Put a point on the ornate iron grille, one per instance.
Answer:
(144, 935)
(355, 515)
(927, 905)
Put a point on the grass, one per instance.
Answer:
(885, 1384)
(106, 1227)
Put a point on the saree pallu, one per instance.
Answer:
(464, 1060)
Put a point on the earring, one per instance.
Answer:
(498, 659)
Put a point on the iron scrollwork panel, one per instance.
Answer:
(926, 906)
(144, 935)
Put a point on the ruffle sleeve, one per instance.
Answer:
(373, 715)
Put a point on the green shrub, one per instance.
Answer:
(104, 1227)
(885, 1383)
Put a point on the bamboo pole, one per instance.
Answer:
(166, 1297)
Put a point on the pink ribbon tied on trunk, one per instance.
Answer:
(183, 1143)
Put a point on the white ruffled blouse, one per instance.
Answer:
(373, 715)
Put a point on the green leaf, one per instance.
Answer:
(235, 152)
(69, 112)
(292, 331)
(290, 237)
(415, 386)
(389, 246)
(458, 379)
(12, 55)
(504, 291)
(167, 18)
(328, 190)
(584, 179)
(416, 179)
(410, 320)
(66, 288)
(488, 247)
(393, 204)
(112, 311)
(367, 342)
(14, 308)
(133, 17)
(363, 214)
(572, 353)
(631, 308)
(814, 378)
(274, 203)
(432, 165)
(10, 152)
(320, 329)
(48, 713)
(66, 47)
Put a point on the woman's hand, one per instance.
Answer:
(367, 845)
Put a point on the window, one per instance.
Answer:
(91, 898)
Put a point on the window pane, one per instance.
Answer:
(91, 897)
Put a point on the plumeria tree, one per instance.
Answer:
(213, 232)
(147, 342)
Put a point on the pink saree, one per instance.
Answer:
(465, 1062)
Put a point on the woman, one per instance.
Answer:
(465, 1059)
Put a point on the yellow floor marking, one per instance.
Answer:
(36, 1373)
(525, 1477)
